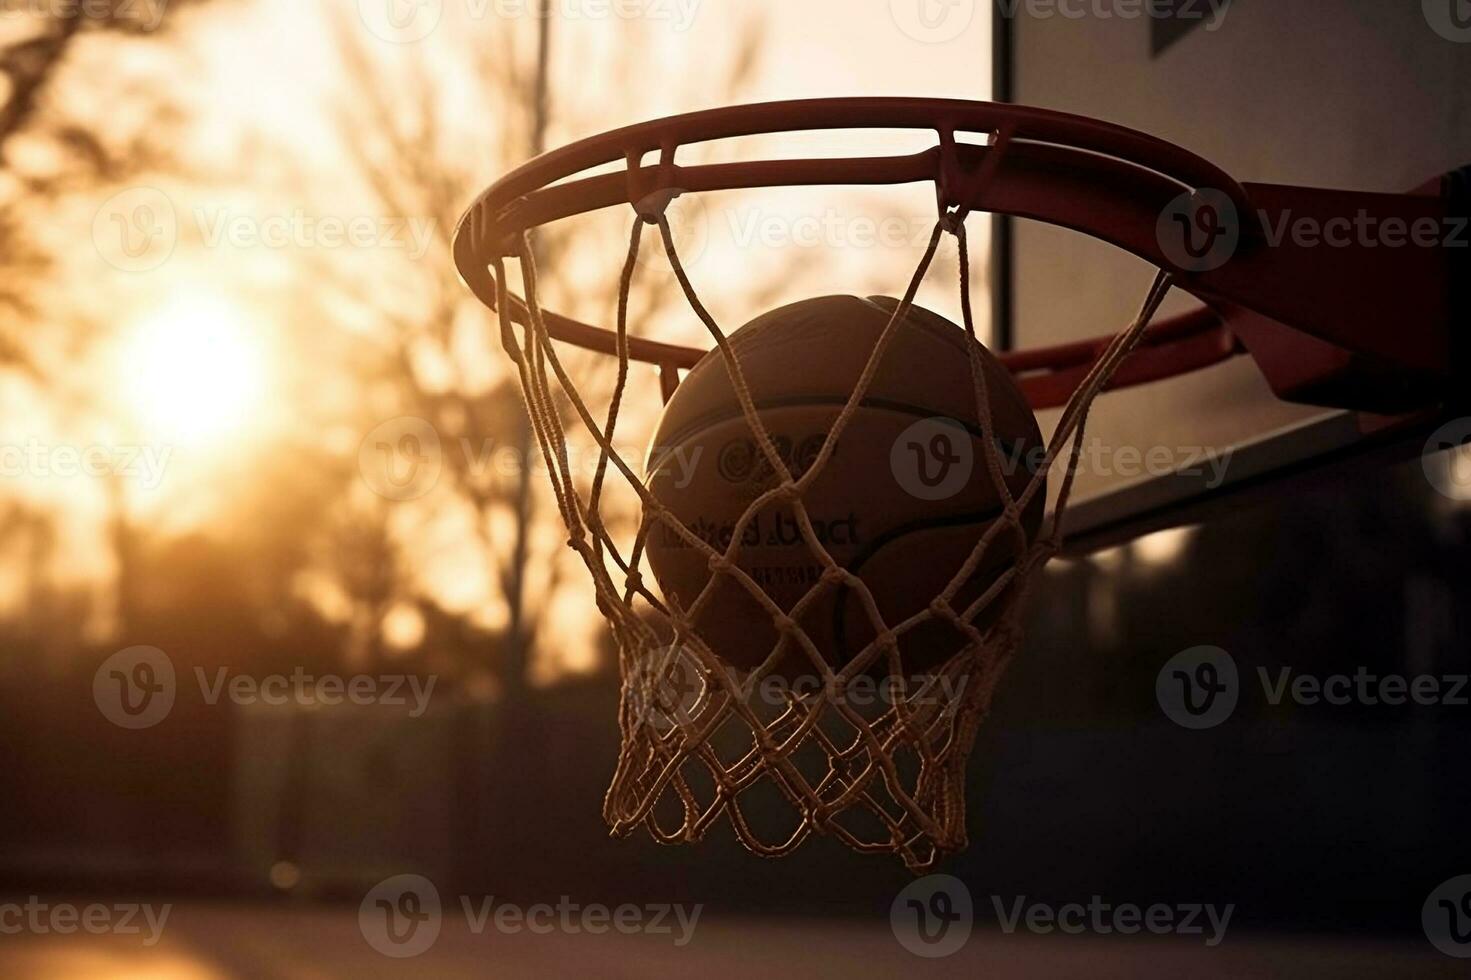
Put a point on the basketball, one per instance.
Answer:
(901, 503)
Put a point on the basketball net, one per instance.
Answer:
(700, 742)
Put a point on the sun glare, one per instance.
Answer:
(193, 371)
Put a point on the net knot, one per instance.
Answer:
(834, 575)
(788, 491)
(941, 607)
(651, 207)
(634, 582)
(720, 565)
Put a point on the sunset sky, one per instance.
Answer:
(239, 276)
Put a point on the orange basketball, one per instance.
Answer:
(902, 502)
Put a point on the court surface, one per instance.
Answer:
(207, 940)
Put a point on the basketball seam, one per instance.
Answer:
(888, 537)
(930, 324)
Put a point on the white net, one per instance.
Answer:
(701, 741)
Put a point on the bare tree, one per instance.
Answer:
(33, 63)
(69, 156)
(394, 130)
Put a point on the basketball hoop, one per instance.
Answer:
(885, 777)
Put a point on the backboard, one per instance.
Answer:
(1351, 94)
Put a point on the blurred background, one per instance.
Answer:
(225, 231)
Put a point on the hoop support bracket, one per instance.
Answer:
(651, 198)
(958, 188)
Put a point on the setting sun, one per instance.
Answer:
(193, 370)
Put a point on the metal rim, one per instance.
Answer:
(1101, 179)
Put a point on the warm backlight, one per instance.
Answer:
(193, 371)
